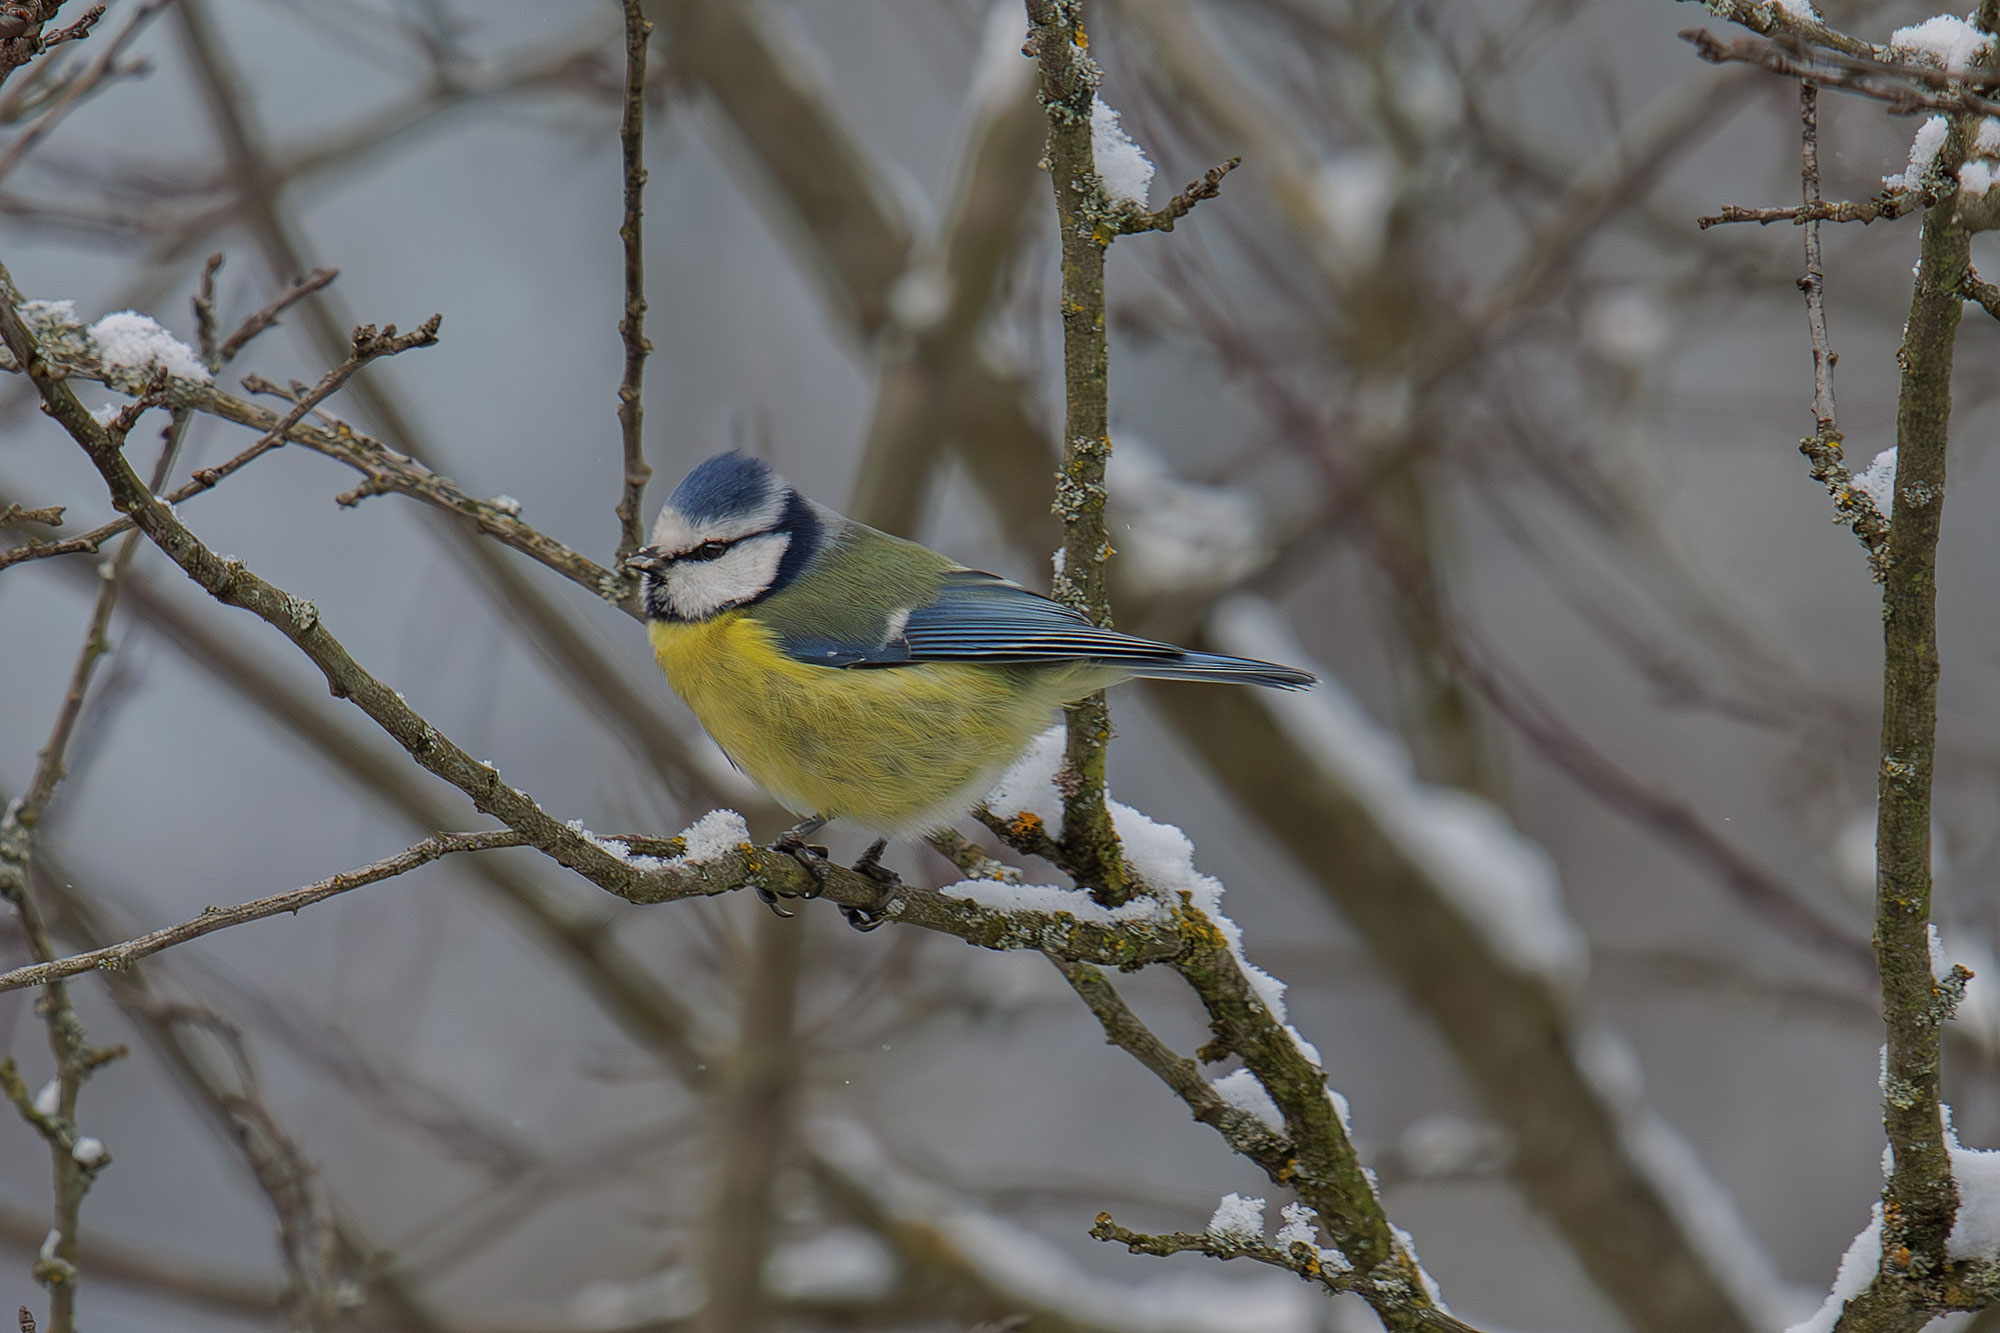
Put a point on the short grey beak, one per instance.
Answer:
(646, 560)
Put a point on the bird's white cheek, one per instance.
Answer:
(699, 589)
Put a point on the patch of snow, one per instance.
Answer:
(1431, 1288)
(1429, 95)
(89, 1152)
(1946, 40)
(841, 1265)
(48, 1098)
(1237, 1218)
(1705, 1211)
(1121, 163)
(714, 836)
(1002, 73)
(1857, 1269)
(1306, 1048)
(1626, 328)
(1181, 536)
(1028, 787)
(710, 838)
(49, 315)
(1164, 858)
(1500, 882)
(130, 346)
(1048, 900)
(1924, 146)
(1352, 193)
(1442, 1146)
(669, 1296)
(1975, 1232)
(1798, 9)
(507, 505)
(921, 296)
(1979, 1008)
(1878, 483)
(1242, 1091)
(1301, 1227)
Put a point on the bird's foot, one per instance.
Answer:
(865, 919)
(792, 842)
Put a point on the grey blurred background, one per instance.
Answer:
(1459, 263)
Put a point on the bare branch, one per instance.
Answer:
(118, 956)
(1974, 289)
(92, 77)
(632, 327)
(1890, 204)
(1178, 207)
(1086, 223)
(368, 344)
(48, 515)
(1298, 1258)
(263, 319)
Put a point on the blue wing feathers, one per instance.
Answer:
(977, 617)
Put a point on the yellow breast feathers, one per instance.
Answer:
(900, 750)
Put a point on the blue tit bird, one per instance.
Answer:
(858, 676)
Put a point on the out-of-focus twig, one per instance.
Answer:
(754, 1126)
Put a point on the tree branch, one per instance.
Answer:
(632, 326)
(1920, 1200)
(1085, 222)
(117, 957)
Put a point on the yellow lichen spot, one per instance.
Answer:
(1197, 929)
(1082, 39)
(1025, 824)
(1288, 1170)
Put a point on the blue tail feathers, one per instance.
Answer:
(1228, 670)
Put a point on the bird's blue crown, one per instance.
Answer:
(725, 486)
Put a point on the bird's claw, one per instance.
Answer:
(865, 919)
(812, 857)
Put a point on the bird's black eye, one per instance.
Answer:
(707, 551)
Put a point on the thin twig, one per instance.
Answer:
(1974, 289)
(755, 1107)
(1208, 186)
(91, 77)
(1299, 1258)
(117, 956)
(1852, 505)
(1904, 87)
(203, 302)
(1890, 204)
(76, 1161)
(263, 319)
(368, 344)
(48, 515)
(632, 326)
